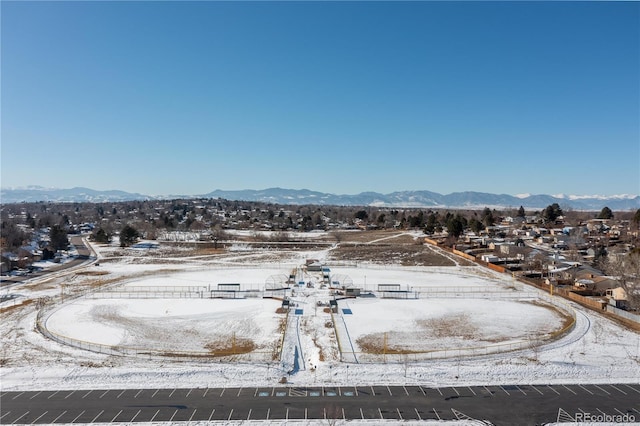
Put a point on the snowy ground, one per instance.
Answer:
(596, 351)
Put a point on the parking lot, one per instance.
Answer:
(499, 404)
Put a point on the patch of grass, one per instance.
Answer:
(230, 346)
(92, 273)
(374, 344)
(8, 309)
(451, 326)
(391, 252)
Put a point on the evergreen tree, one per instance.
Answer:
(456, 225)
(101, 236)
(58, 237)
(362, 215)
(432, 223)
(475, 225)
(605, 213)
(521, 212)
(487, 217)
(128, 236)
(552, 212)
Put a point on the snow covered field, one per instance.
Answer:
(445, 324)
(169, 325)
(597, 350)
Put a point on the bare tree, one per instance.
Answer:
(625, 268)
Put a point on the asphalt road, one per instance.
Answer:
(84, 254)
(500, 405)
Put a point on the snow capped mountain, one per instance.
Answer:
(414, 199)
(601, 197)
(78, 194)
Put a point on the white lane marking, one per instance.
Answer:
(230, 414)
(105, 392)
(154, 394)
(50, 396)
(239, 390)
(56, 419)
(286, 417)
(343, 416)
(174, 414)
(134, 417)
(553, 389)
(268, 412)
(434, 410)
(194, 413)
(455, 390)
(78, 416)
(373, 392)
(120, 394)
(86, 394)
(602, 389)
(523, 392)
(36, 395)
(418, 414)
(438, 389)
(632, 388)
(505, 391)
(487, 389)
(41, 416)
(405, 390)
(211, 415)
(399, 415)
(16, 420)
(136, 395)
(154, 416)
(472, 391)
(221, 393)
(23, 392)
(619, 390)
(171, 394)
(590, 393)
(71, 393)
(422, 390)
(389, 389)
(568, 389)
(255, 393)
(205, 392)
(188, 393)
(618, 411)
(8, 412)
(96, 417)
(116, 416)
(361, 413)
(537, 390)
(380, 412)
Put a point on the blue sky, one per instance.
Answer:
(341, 97)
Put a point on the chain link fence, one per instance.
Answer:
(347, 354)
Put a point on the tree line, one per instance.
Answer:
(149, 217)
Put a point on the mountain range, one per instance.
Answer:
(467, 199)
